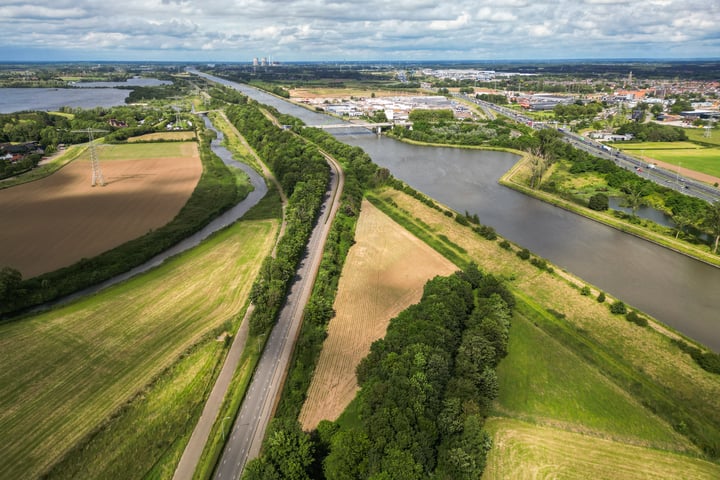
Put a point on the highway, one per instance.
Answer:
(247, 432)
(656, 174)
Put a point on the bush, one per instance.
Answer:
(599, 202)
(633, 317)
(524, 253)
(585, 291)
(618, 308)
(505, 244)
(601, 297)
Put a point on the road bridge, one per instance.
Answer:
(375, 127)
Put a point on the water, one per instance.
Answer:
(88, 95)
(677, 290)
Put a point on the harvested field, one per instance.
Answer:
(524, 450)
(384, 273)
(58, 220)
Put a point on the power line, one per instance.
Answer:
(97, 176)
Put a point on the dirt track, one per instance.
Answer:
(56, 221)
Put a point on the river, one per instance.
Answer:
(677, 290)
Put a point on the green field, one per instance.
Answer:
(542, 381)
(124, 151)
(698, 135)
(524, 450)
(67, 371)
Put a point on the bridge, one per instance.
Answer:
(375, 127)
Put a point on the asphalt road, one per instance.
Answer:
(247, 432)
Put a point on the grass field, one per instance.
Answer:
(698, 135)
(525, 451)
(543, 382)
(385, 272)
(58, 220)
(65, 372)
(171, 136)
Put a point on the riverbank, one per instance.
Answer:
(515, 179)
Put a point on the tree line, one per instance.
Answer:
(303, 175)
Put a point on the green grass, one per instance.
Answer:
(531, 451)
(657, 146)
(139, 151)
(67, 371)
(150, 433)
(698, 135)
(542, 381)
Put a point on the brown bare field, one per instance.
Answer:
(172, 136)
(58, 220)
(384, 273)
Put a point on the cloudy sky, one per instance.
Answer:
(316, 30)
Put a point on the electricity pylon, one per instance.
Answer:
(97, 176)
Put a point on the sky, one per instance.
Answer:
(357, 30)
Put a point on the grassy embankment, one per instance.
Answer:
(517, 179)
(576, 369)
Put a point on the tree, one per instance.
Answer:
(538, 164)
(634, 192)
(712, 222)
(684, 214)
(10, 281)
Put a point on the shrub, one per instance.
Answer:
(524, 253)
(618, 308)
(505, 244)
(585, 291)
(599, 202)
(601, 297)
(633, 317)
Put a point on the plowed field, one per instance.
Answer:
(56, 221)
(384, 273)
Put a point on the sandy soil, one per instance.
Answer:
(384, 273)
(56, 221)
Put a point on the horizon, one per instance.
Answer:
(220, 31)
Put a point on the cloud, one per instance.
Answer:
(374, 29)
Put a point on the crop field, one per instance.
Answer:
(384, 273)
(58, 220)
(523, 450)
(67, 371)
